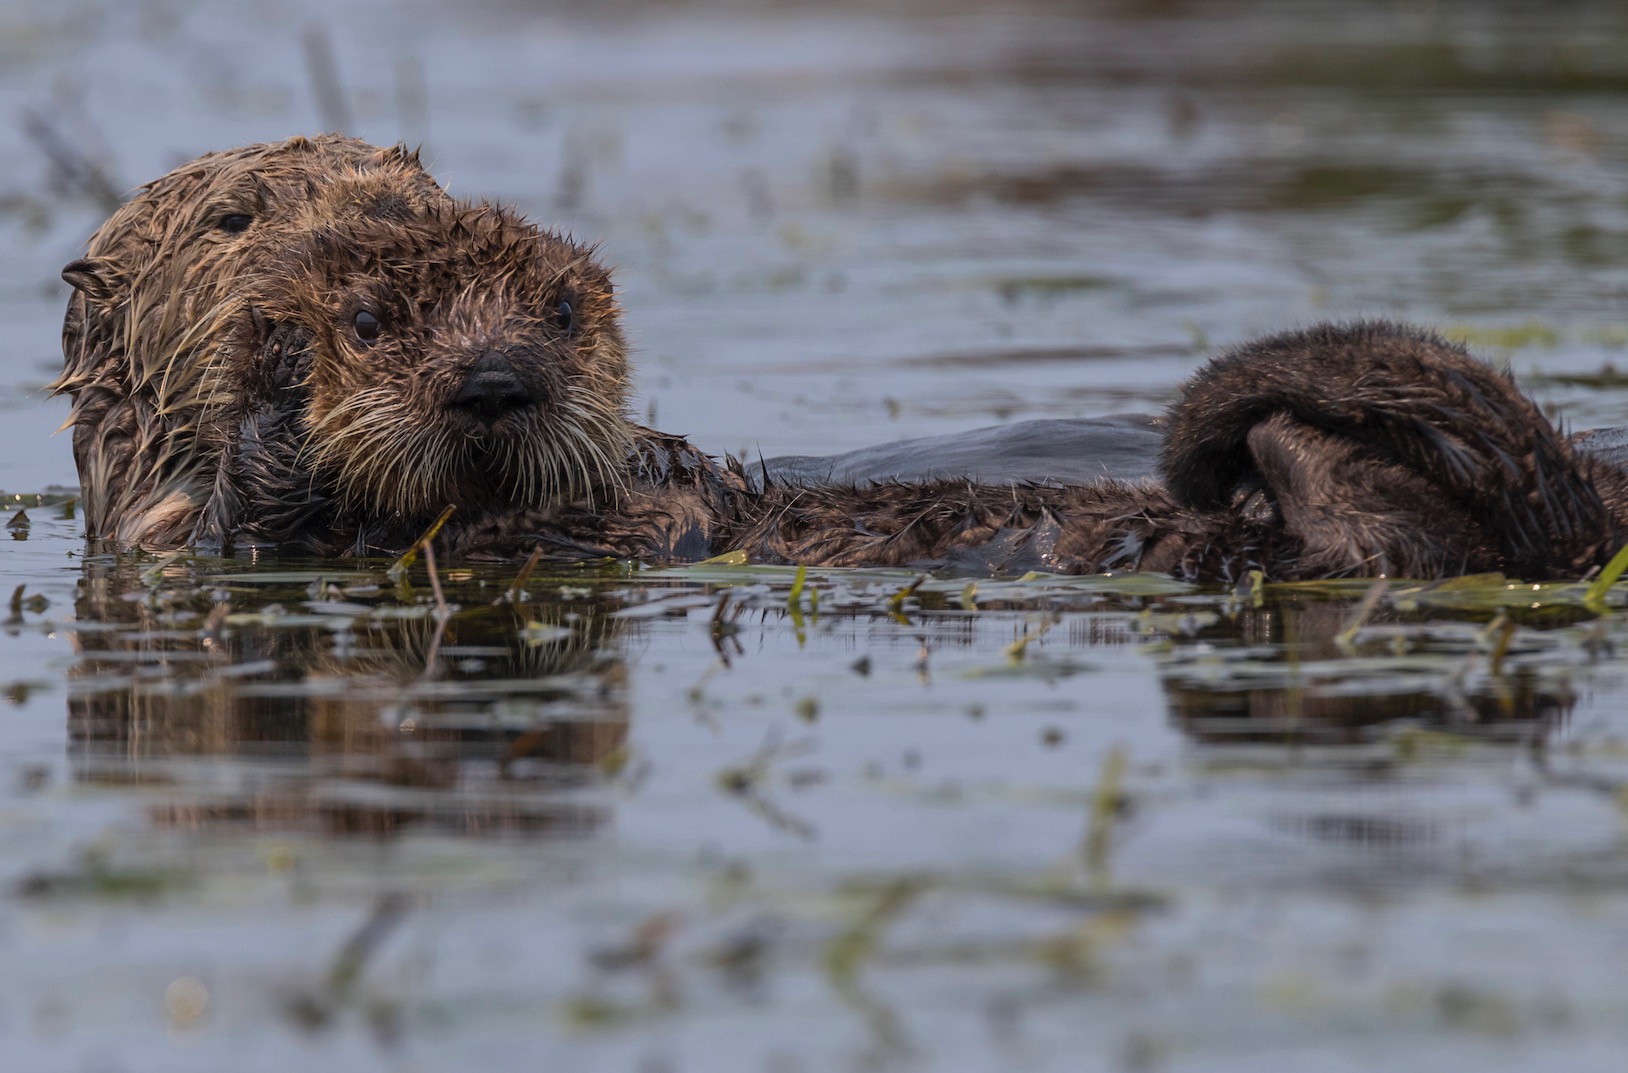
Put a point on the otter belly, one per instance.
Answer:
(1606, 444)
(1052, 451)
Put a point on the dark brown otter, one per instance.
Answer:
(378, 352)
(1378, 441)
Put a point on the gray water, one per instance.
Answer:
(263, 815)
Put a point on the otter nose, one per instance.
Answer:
(492, 388)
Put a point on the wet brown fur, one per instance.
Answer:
(223, 396)
(372, 426)
(1385, 449)
(145, 339)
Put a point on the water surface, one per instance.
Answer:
(260, 814)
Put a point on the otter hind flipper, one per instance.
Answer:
(1430, 454)
(1355, 515)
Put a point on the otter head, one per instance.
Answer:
(201, 222)
(452, 356)
(154, 307)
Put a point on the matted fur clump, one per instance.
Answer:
(310, 346)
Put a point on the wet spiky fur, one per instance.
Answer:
(1385, 449)
(368, 428)
(154, 301)
(226, 395)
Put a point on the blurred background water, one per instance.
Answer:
(253, 815)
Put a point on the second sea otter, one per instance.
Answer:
(371, 351)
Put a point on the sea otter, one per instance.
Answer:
(147, 361)
(309, 346)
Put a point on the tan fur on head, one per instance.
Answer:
(446, 287)
(157, 296)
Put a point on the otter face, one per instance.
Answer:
(457, 356)
(154, 309)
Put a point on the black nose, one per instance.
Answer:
(492, 389)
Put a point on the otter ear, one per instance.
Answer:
(397, 154)
(85, 276)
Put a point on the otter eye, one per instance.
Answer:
(235, 223)
(366, 325)
(562, 316)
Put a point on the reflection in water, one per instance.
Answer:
(339, 709)
(1290, 680)
(833, 225)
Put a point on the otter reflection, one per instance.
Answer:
(337, 714)
(1311, 702)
